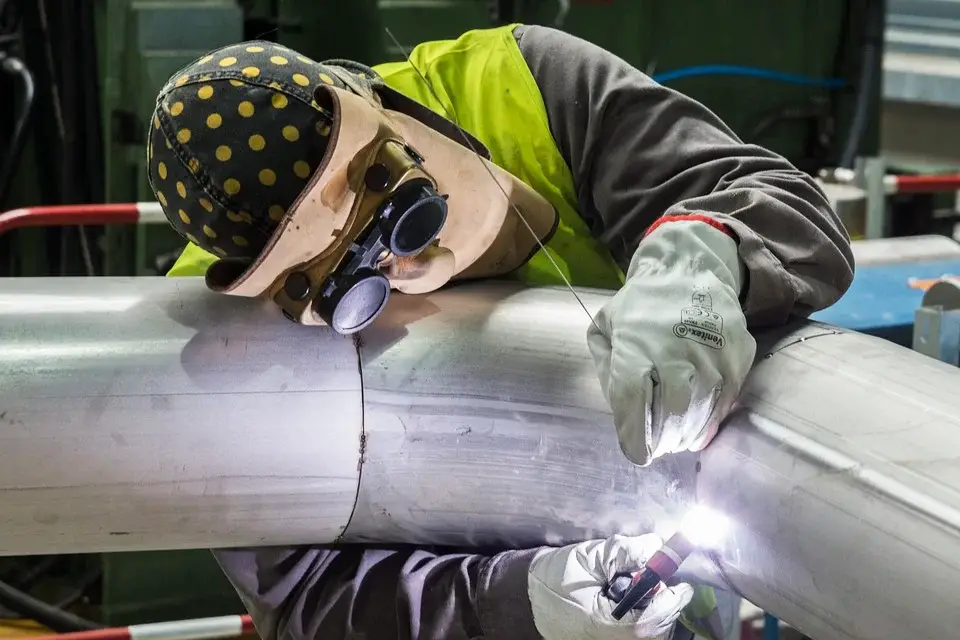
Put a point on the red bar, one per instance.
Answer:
(928, 184)
(69, 215)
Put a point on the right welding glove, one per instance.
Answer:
(565, 587)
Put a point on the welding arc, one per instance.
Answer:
(476, 153)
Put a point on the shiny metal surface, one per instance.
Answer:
(151, 409)
(485, 424)
(142, 413)
(840, 473)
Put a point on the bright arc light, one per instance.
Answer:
(704, 527)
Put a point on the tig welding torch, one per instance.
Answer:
(636, 590)
(701, 527)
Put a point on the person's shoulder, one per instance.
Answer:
(194, 261)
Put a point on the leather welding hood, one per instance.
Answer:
(402, 198)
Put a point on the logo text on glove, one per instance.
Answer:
(700, 323)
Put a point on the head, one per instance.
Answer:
(320, 188)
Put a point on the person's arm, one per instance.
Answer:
(313, 593)
(639, 151)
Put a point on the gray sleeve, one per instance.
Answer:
(638, 151)
(313, 593)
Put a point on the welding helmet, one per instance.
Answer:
(377, 192)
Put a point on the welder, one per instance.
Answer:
(518, 152)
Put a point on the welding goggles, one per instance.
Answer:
(391, 196)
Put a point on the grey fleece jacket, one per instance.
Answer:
(637, 151)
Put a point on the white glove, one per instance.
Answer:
(565, 589)
(674, 348)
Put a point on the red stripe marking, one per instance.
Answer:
(248, 627)
(693, 217)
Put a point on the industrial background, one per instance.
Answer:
(863, 93)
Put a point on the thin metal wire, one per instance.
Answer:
(516, 210)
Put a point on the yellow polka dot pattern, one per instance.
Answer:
(241, 135)
(240, 216)
(267, 177)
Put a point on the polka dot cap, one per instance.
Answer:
(233, 141)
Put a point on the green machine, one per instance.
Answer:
(782, 74)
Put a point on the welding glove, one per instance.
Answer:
(565, 587)
(672, 349)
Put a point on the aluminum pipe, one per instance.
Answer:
(151, 414)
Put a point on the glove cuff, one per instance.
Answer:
(672, 239)
(691, 217)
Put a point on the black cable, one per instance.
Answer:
(15, 67)
(871, 65)
(49, 616)
(26, 578)
(806, 112)
(86, 581)
(90, 163)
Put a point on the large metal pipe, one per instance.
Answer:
(150, 414)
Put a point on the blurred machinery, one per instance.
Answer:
(803, 77)
(936, 331)
(786, 75)
(920, 115)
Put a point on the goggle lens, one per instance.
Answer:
(412, 218)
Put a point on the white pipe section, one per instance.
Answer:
(151, 414)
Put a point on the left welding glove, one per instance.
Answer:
(565, 586)
(672, 349)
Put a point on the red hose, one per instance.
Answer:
(81, 214)
(927, 184)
